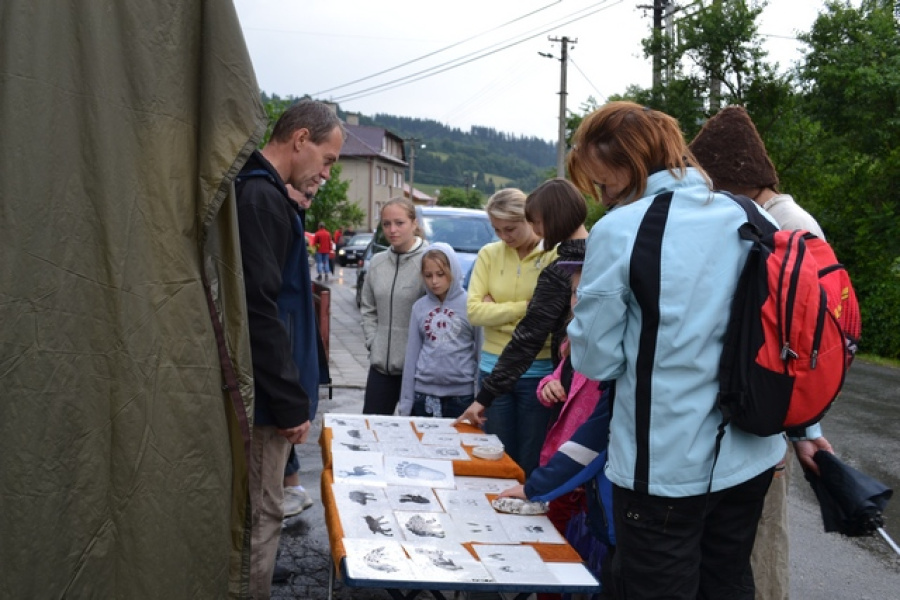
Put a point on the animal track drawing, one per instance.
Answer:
(378, 525)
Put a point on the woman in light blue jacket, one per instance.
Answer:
(653, 305)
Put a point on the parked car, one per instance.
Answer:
(466, 230)
(353, 250)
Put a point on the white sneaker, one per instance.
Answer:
(296, 500)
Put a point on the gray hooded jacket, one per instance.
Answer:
(392, 285)
(443, 349)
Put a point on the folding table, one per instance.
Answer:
(561, 559)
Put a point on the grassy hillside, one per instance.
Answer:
(482, 157)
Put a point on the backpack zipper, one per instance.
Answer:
(820, 327)
(784, 325)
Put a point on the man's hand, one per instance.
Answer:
(553, 391)
(806, 449)
(474, 415)
(296, 435)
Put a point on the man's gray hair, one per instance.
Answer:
(318, 117)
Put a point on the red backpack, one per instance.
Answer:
(793, 330)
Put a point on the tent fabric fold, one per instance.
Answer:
(122, 464)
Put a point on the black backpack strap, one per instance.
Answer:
(245, 175)
(759, 223)
(756, 227)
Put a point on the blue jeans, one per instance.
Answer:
(322, 264)
(451, 406)
(520, 421)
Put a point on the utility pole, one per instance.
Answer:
(659, 12)
(670, 33)
(561, 134)
(715, 84)
(412, 165)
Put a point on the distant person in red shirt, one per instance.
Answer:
(338, 234)
(323, 243)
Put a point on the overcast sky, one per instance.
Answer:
(468, 62)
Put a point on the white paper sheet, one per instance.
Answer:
(377, 559)
(445, 562)
(353, 434)
(434, 438)
(422, 472)
(412, 498)
(369, 522)
(358, 467)
(429, 526)
(479, 526)
(464, 501)
(346, 494)
(488, 485)
(514, 564)
(348, 421)
(456, 452)
(530, 528)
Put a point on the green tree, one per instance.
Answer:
(331, 206)
(275, 105)
(454, 196)
(716, 60)
(851, 79)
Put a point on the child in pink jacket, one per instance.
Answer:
(578, 404)
(578, 396)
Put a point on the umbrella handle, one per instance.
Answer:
(888, 539)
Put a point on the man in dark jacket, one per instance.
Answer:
(305, 143)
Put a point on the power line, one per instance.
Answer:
(476, 55)
(430, 54)
(496, 85)
(603, 96)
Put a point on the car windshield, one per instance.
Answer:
(360, 239)
(462, 233)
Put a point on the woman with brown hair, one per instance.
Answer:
(653, 305)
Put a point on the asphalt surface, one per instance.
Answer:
(862, 426)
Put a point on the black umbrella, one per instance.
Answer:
(851, 502)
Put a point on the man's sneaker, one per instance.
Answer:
(296, 500)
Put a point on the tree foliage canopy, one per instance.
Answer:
(330, 206)
(831, 126)
(462, 198)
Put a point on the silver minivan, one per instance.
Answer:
(465, 230)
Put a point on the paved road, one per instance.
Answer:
(862, 426)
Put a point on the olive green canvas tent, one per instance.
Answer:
(122, 452)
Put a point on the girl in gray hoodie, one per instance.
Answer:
(442, 352)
